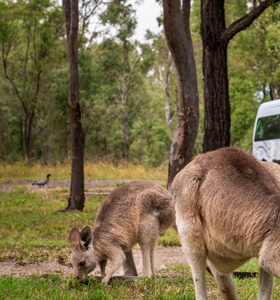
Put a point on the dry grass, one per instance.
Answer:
(98, 170)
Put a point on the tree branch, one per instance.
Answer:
(5, 63)
(245, 21)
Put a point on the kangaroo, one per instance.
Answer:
(274, 169)
(227, 207)
(136, 212)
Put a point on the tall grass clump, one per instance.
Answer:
(92, 170)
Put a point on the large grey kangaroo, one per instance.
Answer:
(227, 207)
(136, 212)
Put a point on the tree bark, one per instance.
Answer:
(178, 37)
(27, 133)
(215, 39)
(77, 196)
(216, 96)
(126, 137)
(166, 86)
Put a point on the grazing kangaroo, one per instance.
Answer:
(227, 207)
(136, 212)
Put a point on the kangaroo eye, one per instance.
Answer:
(82, 263)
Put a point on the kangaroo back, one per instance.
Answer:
(227, 211)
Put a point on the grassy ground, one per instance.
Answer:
(32, 230)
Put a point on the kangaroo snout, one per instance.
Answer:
(82, 269)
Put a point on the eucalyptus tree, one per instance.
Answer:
(164, 72)
(77, 195)
(29, 33)
(121, 15)
(176, 20)
(262, 54)
(215, 39)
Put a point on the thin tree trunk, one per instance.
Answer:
(77, 196)
(166, 86)
(124, 88)
(167, 95)
(126, 137)
(21, 137)
(179, 41)
(27, 134)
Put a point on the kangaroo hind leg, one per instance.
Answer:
(149, 231)
(225, 284)
(129, 267)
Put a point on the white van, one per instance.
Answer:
(266, 136)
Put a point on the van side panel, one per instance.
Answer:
(266, 135)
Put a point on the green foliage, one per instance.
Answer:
(253, 73)
(32, 34)
(31, 37)
(170, 238)
(200, 133)
(121, 15)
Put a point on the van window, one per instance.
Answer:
(268, 128)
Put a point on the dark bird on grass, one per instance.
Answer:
(42, 182)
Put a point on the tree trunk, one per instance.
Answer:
(166, 86)
(167, 95)
(215, 39)
(27, 133)
(21, 137)
(77, 196)
(126, 137)
(179, 41)
(216, 96)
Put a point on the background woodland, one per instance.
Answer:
(128, 90)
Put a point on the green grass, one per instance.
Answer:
(32, 230)
(163, 286)
(173, 282)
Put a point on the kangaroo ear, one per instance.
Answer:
(86, 237)
(74, 237)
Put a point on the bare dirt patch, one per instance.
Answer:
(91, 186)
(163, 256)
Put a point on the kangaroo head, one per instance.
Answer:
(82, 257)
